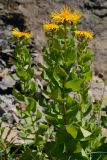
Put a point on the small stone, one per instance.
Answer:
(7, 51)
(21, 107)
(100, 75)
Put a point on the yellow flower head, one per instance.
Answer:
(65, 15)
(84, 34)
(21, 34)
(50, 26)
(75, 16)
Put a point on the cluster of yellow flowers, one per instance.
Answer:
(63, 16)
(66, 16)
(84, 34)
(21, 34)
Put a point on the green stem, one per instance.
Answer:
(65, 28)
(63, 85)
(33, 122)
(64, 107)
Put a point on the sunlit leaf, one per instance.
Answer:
(75, 84)
(72, 130)
(85, 132)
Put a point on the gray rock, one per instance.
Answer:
(7, 82)
(1, 6)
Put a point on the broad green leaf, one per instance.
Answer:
(25, 42)
(18, 95)
(30, 71)
(31, 104)
(42, 127)
(57, 79)
(23, 74)
(56, 44)
(105, 158)
(32, 87)
(38, 115)
(60, 72)
(26, 56)
(56, 94)
(88, 76)
(40, 140)
(28, 120)
(78, 148)
(72, 130)
(83, 153)
(52, 120)
(71, 114)
(85, 132)
(45, 76)
(61, 33)
(88, 55)
(86, 110)
(75, 84)
(71, 56)
(104, 121)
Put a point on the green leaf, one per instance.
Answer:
(31, 104)
(30, 71)
(104, 121)
(42, 128)
(72, 130)
(55, 94)
(38, 115)
(61, 72)
(87, 110)
(71, 56)
(88, 55)
(57, 79)
(78, 148)
(105, 158)
(75, 84)
(56, 44)
(32, 87)
(26, 57)
(23, 74)
(39, 140)
(28, 120)
(88, 76)
(85, 132)
(61, 33)
(25, 42)
(18, 95)
(71, 114)
(52, 120)
(83, 153)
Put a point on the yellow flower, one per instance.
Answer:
(21, 34)
(65, 15)
(50, 26)
(84, 34)
(75, 16)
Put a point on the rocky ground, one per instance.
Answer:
(29, 15)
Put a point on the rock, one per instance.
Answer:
(1, 6)
(7, 82)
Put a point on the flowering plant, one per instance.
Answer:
(31, 129)
(71, 113)
(71, 128)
